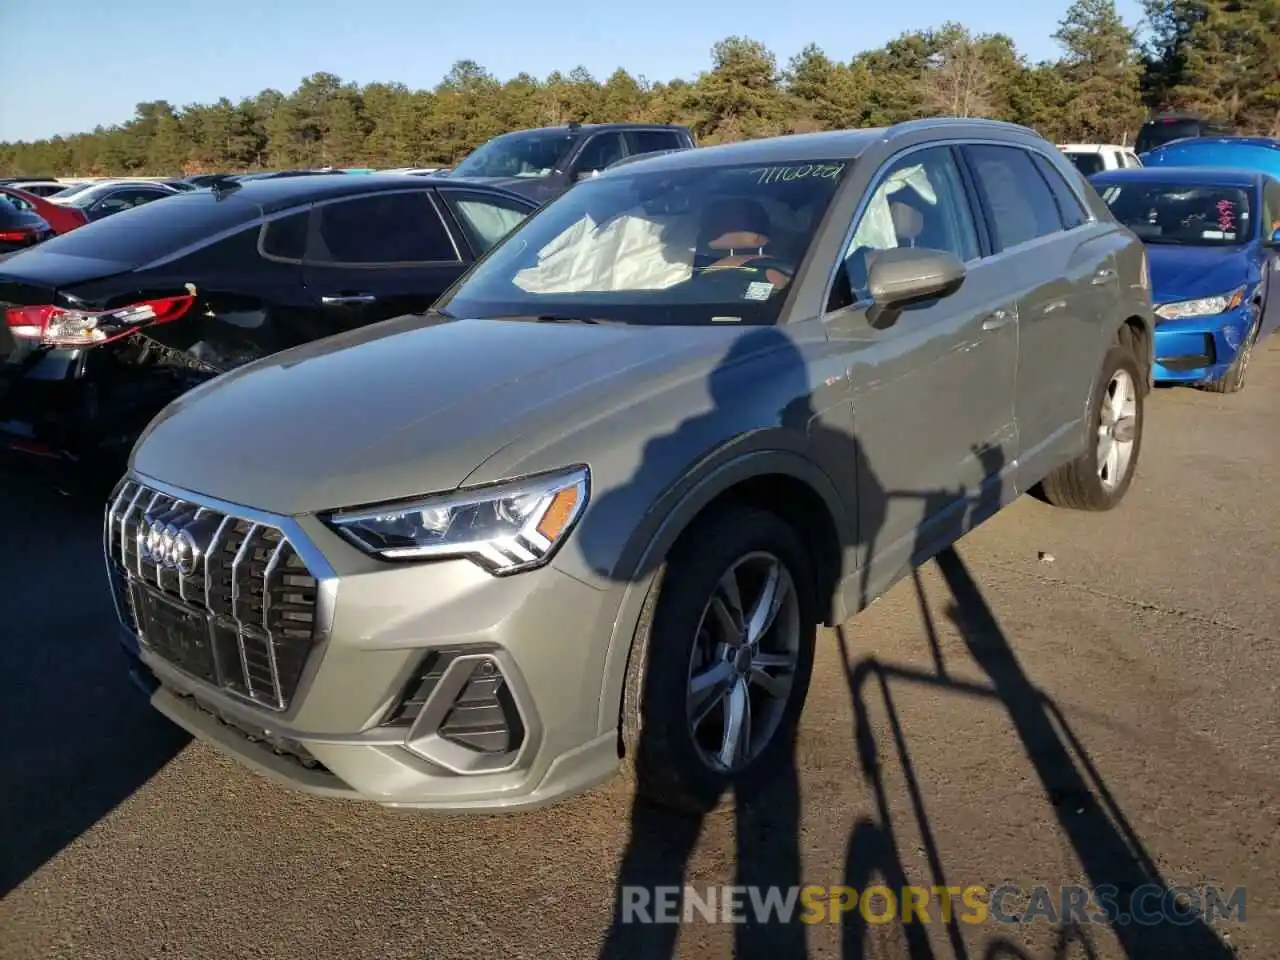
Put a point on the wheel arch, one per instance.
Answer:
(1136, 334)
(783, 482)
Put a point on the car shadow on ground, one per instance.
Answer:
(77, 738)
(768, 851)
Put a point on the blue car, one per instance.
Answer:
(1213, 247)
(1242, 153)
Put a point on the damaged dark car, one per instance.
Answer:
(103, 327)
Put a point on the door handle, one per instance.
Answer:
(998, 318)
(348, 299)
(1102, 276)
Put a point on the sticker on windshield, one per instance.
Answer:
(726, 319)
(758, 290)
(1226, 216)
(799, 171)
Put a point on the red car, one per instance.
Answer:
(61, 219)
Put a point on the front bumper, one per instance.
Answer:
(1199, 349)
(360, 726)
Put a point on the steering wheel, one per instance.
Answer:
(775, 271)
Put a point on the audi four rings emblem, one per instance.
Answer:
(170, 546)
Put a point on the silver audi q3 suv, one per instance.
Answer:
(589, 512)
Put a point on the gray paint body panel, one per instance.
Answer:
(909, 435)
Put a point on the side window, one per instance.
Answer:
(1073, 214)
(16, 202)
(385, 228)
(919, 201)
(112, 203)
(600, 151)
(1271, 206)
(486, 219)
(136, 198)
(1019, 201)
(652, 141)
(285, 238)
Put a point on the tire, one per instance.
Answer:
(668, 761)
(1080, 484)
(1233, 380)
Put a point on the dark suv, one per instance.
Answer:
(544, 163)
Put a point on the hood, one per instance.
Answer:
(401, 408)
(1187, 273)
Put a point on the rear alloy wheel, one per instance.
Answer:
(1233, 380)
(1100, 476)
(721, 662)
(1117, 429)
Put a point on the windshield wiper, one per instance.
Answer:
(554, 318)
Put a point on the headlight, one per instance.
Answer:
(1204, 307)
(504, 528)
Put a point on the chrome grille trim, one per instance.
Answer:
(264, 656)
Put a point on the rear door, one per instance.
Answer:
(249, 283)
(379, 255)
(1057, 261)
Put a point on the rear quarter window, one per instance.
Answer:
(154, 230)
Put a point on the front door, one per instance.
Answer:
(1270, 257)
(379, 256)
(932, 388)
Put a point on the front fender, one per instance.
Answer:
(669, 517)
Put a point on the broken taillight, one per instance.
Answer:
(53, 326)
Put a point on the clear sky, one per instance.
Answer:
(91, 61)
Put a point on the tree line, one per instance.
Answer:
(1217, 58)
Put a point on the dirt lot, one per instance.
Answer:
(1107, 716)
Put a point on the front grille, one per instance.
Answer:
(240, 612)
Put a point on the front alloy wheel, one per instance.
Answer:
(720, 663)
(743, 661)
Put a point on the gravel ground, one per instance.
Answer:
(1064, 699)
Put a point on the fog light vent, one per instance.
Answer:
(460, 711)
(484, 715)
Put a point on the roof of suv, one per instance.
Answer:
(592, 127)
(827, 145)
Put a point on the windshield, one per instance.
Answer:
(1180, 214)
(686, 246)
(1087, 163)
(516, 155)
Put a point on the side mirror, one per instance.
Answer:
(1275, 238)
(905, 275)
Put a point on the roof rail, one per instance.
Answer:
(924, 123)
